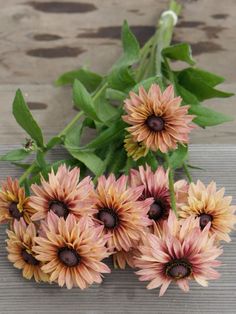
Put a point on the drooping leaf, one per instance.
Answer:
(201, 88)
(178, 157)
(83, 100)
(25, 119)
(15, 155)
(182, 52)
(208, 117)
(89, 79)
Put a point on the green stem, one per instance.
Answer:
(27, 173)
(165, 33)
(188, 175)
(71, 124)
(171, 185)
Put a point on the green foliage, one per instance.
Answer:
(182, 52)
(15, 155)
(208, 117)
(89, 79)
(83, 100)
(25, 119)
(200, 84)
(131, 48)
(178, 157)
(89, 159)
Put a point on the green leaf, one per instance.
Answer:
(16, 155)
(113, 94)
(107, 136)
(202, 89)
(150, 159)
(211, 78)
(25, 119)
(90, 160)
(89, 79)
(121, 78)
(180, 52)
(147, 83)
(73, 137)
(188, 97)
(208, 117)
(104, 110)
(53, 142)
(83, 100)
(178, 157)
(130, 45)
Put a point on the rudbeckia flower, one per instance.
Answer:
(157, 118)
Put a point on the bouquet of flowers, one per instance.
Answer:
(116, 195)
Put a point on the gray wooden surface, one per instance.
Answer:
(40, 39)
(121, 292)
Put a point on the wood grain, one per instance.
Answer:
(121, 292)
(41, 39)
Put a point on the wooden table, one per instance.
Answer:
(42, 39)
(121, 292)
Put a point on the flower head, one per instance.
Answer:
(180, 253)
(156, 186)
(123, 258)
(157, 119)
(13, 202)
(72, 252)
(134, 149)
(19, 246)
(119, 210)
(181, 192)
(211, 206)
(63, 194)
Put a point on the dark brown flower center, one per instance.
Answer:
(29, 258)
(156, 210)
(14, 211)
(178, 269)
(155, 123)
(59, 208)
(69, 257)
(204, 219)
(108, 217)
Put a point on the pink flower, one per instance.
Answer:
(180, 253)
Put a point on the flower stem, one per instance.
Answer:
(27, 173)
(187, 173)
(171, 185)
(164, 33)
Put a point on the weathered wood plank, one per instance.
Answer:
(121, 292)
(41, 39)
